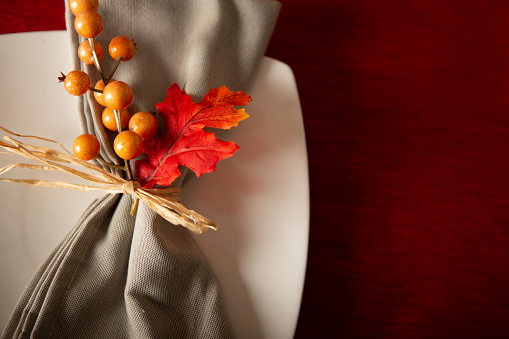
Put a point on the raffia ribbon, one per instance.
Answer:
(164, 201)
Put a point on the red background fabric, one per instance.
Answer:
(405, 106)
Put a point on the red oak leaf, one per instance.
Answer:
(183, 140)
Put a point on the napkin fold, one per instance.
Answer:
(119, 276)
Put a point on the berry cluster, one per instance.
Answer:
(115, 96)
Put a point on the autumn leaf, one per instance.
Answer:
(184, 141)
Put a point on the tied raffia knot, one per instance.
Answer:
(164, 201)
(130, 186)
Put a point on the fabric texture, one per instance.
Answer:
(119, 276)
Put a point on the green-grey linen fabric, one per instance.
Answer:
(119, 276)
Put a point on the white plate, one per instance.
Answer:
(259, 198)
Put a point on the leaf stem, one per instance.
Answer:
(134, 206)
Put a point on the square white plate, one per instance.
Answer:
(259, 197)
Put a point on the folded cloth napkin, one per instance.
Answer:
(119, 276)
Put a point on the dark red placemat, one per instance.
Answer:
(31, 15)
(406, 111)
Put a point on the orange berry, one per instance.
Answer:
(99, 96)
(117, 95)
(88, 24)
(108, 118)
(128, 145)
(77, 82)
(122, 46)
(85, 52)
(144, 124)
(77, 6)
(86, 147)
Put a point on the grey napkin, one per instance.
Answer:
(118, 276)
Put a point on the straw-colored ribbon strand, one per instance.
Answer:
(164, 201)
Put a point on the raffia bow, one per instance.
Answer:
(164, 201)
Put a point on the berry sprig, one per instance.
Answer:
(186, 136)
(114, 95)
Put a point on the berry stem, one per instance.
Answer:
(119, 128)
(96, 60)
(134, 206)
(117, 119)
(110, 165)
(94, 90)
(105, 79)
(129, 174)
(117, 62)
